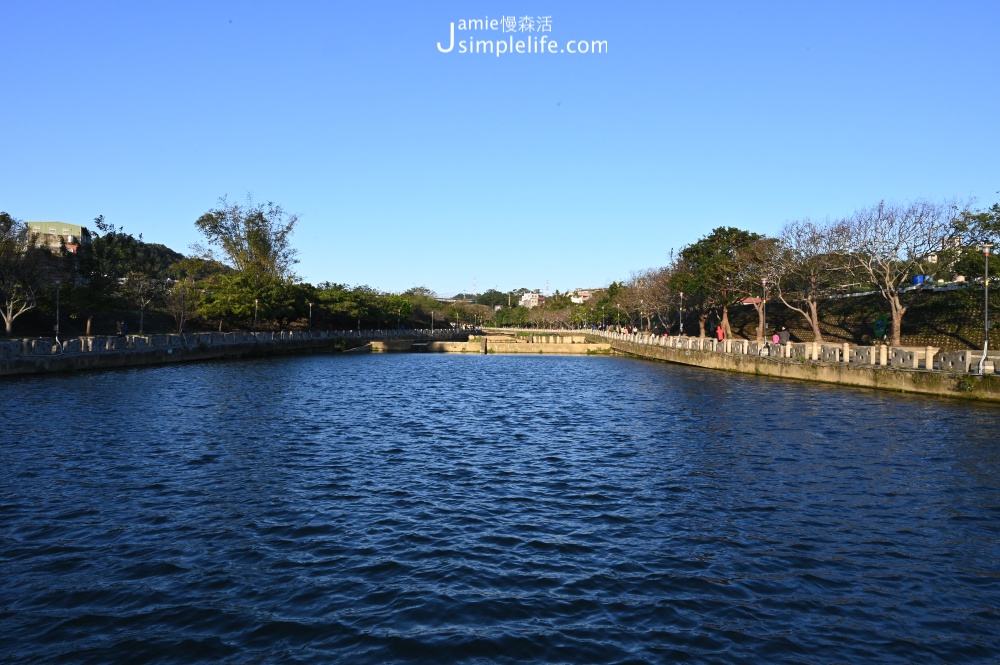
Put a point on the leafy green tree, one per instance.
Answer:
(709, 274)
(603, 304)
(558, 301)
(423, 301)
(492, 298)
(102, 266)
(254, 238)
(511, 317)
(964, 255)
(255, 241)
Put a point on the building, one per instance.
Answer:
(54, 234)
(580, 296)
(532, 299)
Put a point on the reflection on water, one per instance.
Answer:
(491, 509)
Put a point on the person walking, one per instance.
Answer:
(784, 335)
(720, 333)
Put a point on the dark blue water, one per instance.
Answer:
(420, 508)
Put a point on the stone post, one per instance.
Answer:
(929, 358)
(847, 353)
(883, 355)
(814, 354)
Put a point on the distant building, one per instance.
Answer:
(533, 299)
(54, 234)
(581, 296)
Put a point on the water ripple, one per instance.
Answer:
(492, 509)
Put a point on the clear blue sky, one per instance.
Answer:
(413, 167)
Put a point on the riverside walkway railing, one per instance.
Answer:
(927, 358)
(50, 354)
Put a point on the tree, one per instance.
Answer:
(757, 267)
(512, 317)
(890, 243)
(116, 270)
(963, 254)
(558, 301)
(810, 265)
(254, 238)
(423, 301)
(492, 298)
(20, 270)
(708, 273)
(143, 290)
(651, 293)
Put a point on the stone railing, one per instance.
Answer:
(28, 355)
(928, 358)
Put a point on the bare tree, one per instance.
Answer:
(143, 290)
(19, 270)
(655, 296)
(658, 295)
(890, 243)
(809, 266)
(757, 262)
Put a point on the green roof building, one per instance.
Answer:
(54, 234)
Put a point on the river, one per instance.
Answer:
(505, 509)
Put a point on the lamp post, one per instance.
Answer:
(986, 305)
(680, 317)
(180, 327)
(58, 282)
(619, 308)
(255, 303)
(763, 306)
(432, 321)
(309, 302)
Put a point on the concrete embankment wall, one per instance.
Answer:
(546, 344)
(45, 355)
(883, 377)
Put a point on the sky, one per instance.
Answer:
(412, 164)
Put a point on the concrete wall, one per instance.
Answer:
(897, 371)
(501, 345)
